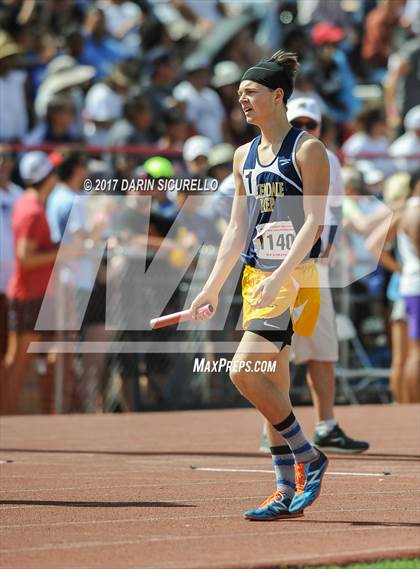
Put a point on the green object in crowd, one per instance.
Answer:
(158, 167)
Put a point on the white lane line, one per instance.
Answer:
(186, 518)
(159, 539)
(331, 473)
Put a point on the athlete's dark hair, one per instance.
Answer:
(288, 61)
(279, 71)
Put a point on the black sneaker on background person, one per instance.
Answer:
(337, 441)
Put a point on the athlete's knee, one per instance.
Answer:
(239, 377)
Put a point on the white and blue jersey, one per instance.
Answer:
(274, 220)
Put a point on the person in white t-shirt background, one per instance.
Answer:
(320, 350)
(370, 142)
(406, 149)
(203, 105)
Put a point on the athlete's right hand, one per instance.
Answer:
(205, 297)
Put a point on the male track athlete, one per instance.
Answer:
(281, 180)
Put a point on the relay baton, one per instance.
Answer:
(176, 317)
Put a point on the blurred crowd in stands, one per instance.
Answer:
(117, 90)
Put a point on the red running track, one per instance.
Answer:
(118, 492)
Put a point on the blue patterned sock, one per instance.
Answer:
(284, 467)
(301, 448)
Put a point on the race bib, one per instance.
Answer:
(274, 240)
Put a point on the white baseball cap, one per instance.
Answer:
(196, 146)
(226, 73)
(102, 104)
(303, 107)
(35, 166)
(412, 119)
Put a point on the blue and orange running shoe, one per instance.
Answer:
(275, 507)
(308, 482)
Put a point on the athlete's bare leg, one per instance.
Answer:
(268, 392)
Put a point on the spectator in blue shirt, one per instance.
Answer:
(100, 49)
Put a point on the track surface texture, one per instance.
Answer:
(118, 492)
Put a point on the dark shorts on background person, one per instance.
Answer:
(4, 326)
(413, 316)
(23, 315)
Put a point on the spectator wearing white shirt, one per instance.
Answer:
(204, 16)
(13, 109)
(103, 106)
(9, 193)
(406, 149)
(203, 106)
(370, 141)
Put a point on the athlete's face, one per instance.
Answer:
(258, 102)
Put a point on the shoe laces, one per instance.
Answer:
(275, 496)
(300, 477)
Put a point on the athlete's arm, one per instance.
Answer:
(232, 243)
(314, 167)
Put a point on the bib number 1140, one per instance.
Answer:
(274, 240)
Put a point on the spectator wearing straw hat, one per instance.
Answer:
(65, 76)
(14, 115)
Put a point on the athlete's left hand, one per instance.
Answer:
(266, 292)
